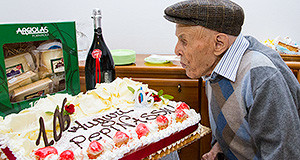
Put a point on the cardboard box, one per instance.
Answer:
(36, 59)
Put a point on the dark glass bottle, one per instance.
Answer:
(99, 65)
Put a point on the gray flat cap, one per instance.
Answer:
(220, 15)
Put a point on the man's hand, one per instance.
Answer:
(212, 154)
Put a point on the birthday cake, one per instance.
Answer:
(119, 120)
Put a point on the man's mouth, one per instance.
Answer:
(183, 65)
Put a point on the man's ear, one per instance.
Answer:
(221, 43)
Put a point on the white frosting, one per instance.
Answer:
(108, 101)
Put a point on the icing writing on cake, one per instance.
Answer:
(115, 121)
(62, 119)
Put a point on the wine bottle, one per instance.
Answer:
(99, 65)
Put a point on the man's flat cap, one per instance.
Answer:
(220, 15)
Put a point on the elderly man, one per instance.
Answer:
(253, 96)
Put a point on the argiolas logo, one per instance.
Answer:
(33, 30)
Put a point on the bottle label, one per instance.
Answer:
(107, 76)
(97, 53)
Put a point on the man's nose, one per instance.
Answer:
(177, 50)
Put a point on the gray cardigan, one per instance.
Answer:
(257, 116)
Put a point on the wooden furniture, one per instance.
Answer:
(290, 57)
(171, 78)
(295, 67)
(293, 62)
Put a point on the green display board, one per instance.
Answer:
(37, 33)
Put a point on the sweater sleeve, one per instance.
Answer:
(273, 119)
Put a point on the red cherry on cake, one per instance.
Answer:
(162, 122)
(120, 138)
(94, 150)
(66, 155)
(142, 130)
(180, 115)
(183, 106)
(42, 153)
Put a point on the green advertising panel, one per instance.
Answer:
(36, 59)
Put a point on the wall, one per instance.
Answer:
(139, 24)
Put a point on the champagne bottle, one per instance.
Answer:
(99, 65)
